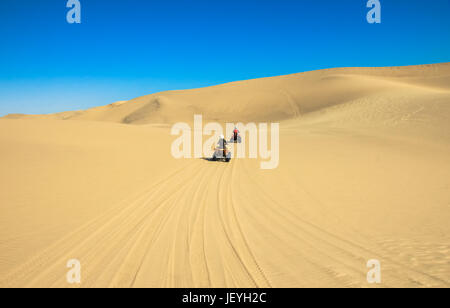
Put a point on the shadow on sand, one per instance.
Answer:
(209, 159)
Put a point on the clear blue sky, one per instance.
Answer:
(124, 49)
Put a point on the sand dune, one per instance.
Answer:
(267, 99)
(364, 174)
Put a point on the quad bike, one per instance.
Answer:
(221, 154)
(236, 138)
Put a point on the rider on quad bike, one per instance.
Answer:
(236, 138)
(221, 151)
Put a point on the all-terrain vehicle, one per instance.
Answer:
(236, 138)
(221, 154)
(221, 151)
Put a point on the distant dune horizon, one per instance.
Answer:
(386, 71)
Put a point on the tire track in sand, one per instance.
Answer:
(338, 248)
(245, 271)
(172, 248)
(44, 263)
(263, 281)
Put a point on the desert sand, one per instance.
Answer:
(364, 174)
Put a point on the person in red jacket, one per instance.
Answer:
(235, 133)
(236, 138)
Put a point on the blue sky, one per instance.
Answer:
(124, 49)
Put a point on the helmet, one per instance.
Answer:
(222, 137)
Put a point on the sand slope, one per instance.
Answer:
(364, 174)
(267, 99)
